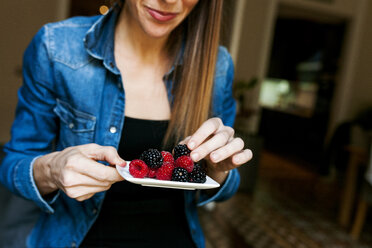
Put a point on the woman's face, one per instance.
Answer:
(158, 18)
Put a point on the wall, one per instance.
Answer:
(250, 46)
(333, 7)
(251, 37)
(20, 20)
(361, 92)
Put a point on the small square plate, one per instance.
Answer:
(151, 182)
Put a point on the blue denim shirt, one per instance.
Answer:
(72, 94)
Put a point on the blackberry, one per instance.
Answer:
(199, 166)
(152, 158)
(180, 175)
(180, 150)
(198, 175)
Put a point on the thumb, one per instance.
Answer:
(103, 153)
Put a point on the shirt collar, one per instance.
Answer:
(99, 40)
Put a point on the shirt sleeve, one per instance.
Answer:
(229, 103)
(34, 127)
(231, 184)
(227, 190)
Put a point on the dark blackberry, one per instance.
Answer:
(180, 175)
(180, 150)
(152, 158)
(198, 175)
(199, 166)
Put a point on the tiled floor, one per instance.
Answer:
(291, 207)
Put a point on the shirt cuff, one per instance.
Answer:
(227, 190)
(26, 186)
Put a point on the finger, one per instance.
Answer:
(103, 153)
(96, 170)
(223, 166)
(72, 178)
(242, 157)
(79, 191)
(84, 197)
(209, 127)
(217, 141)
(231, 148)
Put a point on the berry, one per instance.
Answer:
(152, 173)
(185, 162)
(180, 174)
(180, 150)
(165, 172)
(152, 158)
(167, 157)
(198, 176)
(200, 166)
(138, 168)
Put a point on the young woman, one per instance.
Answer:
(101, 90)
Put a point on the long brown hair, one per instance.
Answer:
(194, 87)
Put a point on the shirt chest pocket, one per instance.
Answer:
(76, 127)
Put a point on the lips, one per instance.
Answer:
(160, 15)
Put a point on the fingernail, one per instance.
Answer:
(194, 156)
(191, 145)
(122, 163)
(214, 156)
(236, 160)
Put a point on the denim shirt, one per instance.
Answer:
(72, 94)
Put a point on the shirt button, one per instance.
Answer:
(94, 211)
(71, 125)
(111, 65)
(73, 244)
(113, 130)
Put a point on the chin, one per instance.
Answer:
(158, 32)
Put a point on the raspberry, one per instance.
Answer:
(180, 174)
(138, 168)
(185, 162)
(197, 176)
(167, 157)
(152, 173)
(165, 171)
(180, 150)
(152, 158)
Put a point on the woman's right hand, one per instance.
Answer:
(75, 170)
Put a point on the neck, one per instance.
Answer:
(131, 41)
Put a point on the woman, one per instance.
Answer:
(146, 75)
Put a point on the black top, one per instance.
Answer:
(137, 216)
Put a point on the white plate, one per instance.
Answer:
(124, 172)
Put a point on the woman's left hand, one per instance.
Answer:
(216, 143)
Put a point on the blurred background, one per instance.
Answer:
(303, 82)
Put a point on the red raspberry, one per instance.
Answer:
(138, 168)
(167, 157)
(165, 171)
(152, 173)
(185, 162)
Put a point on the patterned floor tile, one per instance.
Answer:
(285, 211)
